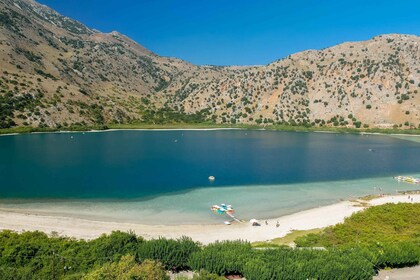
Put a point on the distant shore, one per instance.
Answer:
(126, 129)
(208, 126)
(320, 217)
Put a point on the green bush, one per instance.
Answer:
(126, 269)
(222, 258)
(238, 258)
(399, 254)
(34, 255)
(173, 254)
(389, 235)
(112, 247)
(386, 224)
(307, 264)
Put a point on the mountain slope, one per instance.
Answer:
(57, 72)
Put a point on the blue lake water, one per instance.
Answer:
(165, 173)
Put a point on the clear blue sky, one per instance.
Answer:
(243, 32)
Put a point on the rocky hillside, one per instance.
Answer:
(56, 72)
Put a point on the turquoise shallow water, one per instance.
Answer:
(193, 207)
(160, 177)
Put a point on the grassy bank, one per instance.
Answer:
(28, 129)
(389, 223)
(286, 240)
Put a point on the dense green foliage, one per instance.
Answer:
(174, 254)
(385, 224)
(382, 236)
(33, 255)
(390, 233)
(223, 258)
(283, 263)
(398, 254)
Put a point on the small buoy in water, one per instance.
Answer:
(211, 178)
(176, 140)
(71, 137)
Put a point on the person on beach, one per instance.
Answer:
(266, 223)
(277, 224)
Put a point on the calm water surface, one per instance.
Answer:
(138, 164)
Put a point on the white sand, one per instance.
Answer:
(88, 229)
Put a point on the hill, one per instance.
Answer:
(56, 73)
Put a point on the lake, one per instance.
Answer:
(162, 176)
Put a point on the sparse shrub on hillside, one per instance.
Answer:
(10, 103)
(44, 74)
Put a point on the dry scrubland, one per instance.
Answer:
(58, 73)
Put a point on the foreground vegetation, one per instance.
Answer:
(379, 237)
(33, 255)
(389, 223)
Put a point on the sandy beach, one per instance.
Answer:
(320, 217)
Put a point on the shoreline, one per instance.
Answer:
(204, 127)
(174, 208)
(128, 129)
(80, 228)
(208, 129)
